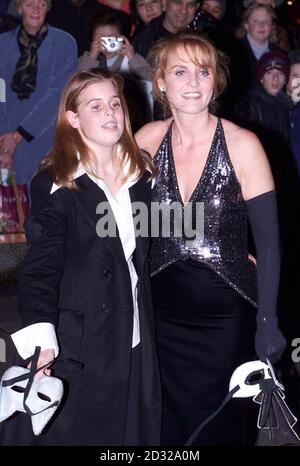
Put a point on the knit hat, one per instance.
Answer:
(273, 60)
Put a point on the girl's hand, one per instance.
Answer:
(46, 357)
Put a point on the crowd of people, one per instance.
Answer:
(146, 330)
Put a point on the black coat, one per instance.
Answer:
(149, 35)
(246, 62)
(80, 282)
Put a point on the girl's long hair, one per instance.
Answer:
(62, 160)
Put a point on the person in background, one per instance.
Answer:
(36, 61)
(84, 289)
(214, 308)
(293, 93)
(216, 8)
(73, 16)
(177, 16)
(125, 61)
(143, 11)
(254, 34)
(279, 35)
(265, 111)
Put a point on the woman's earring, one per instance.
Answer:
(213, 99)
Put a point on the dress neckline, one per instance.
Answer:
(206, 165)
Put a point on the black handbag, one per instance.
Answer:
(275, 420)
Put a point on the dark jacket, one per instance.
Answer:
(80, 282)
(145, 40)
(268, 117)
(295, 130)
(247, 66)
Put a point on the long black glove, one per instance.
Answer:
(263, 217)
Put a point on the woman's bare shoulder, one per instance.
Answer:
(238, 137)
(249, 160)
(150, 136)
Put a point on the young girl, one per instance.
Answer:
(84, 296)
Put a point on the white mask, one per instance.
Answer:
(41, 402)
(248, 377)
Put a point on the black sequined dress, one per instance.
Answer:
(204, 294)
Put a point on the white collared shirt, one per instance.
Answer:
(43, 334)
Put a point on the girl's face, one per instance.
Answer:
(100, 117)
(273, 81)
(149, 9)
(259, 25)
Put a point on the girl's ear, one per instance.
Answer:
(73, 119)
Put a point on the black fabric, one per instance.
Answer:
(145, 40)
(8, 22)
(27, 136)
(80, 283)
(205, 330)
(263, 217)
(24, 78)
(132, 426)
(247, 66)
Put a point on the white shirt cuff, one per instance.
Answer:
(41, 334)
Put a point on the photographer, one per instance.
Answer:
(108, 33)
(124, 60)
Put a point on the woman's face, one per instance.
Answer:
(33, 14)
(273, 81)
(213, 7)
(100, 117)
(188, 86)
(149, 9)
(259, 25)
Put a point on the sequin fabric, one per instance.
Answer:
(223, 246)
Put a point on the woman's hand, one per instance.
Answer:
(269, 340)
(46, 358)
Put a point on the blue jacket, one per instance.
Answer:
(57, 61)
(295, 124)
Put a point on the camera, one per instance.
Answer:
(112, 44)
